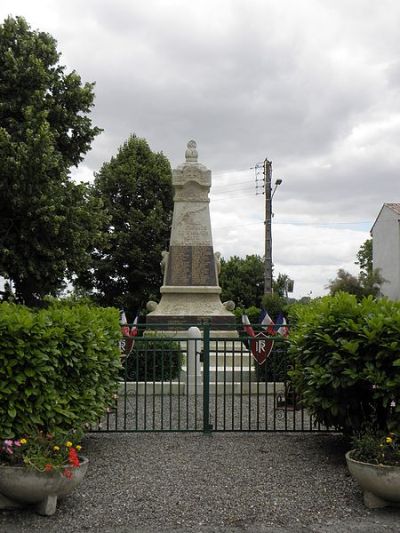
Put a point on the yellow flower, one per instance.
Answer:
(56, 448)
(68, 444)
(78, 448)
(389, 440)
(23, 441)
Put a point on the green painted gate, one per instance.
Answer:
(206, 384)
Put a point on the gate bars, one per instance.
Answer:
(204, 382)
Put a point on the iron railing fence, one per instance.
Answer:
(205, 380)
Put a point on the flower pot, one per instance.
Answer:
(380, 483)
(21, 486)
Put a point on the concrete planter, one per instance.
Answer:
(380, 483)
(21, 487)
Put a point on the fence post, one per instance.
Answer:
(207, 427)
(193, 378)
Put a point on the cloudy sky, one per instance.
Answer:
(311, 85)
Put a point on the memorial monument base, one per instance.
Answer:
(193, 306)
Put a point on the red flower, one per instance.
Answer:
(48, 467)
(73, 458)
(67, 473)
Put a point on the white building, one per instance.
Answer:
(386, 248)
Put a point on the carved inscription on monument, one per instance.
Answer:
(191, 266)
(191, 226)
(179, 265)
(203, 266)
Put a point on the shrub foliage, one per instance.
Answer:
(346, 358)
(153, 359)
(277, 364)
(58, 367)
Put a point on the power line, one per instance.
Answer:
(230, 172)
(243, 187)
(233, 198)
(249, 189)
(239, 184)
(240, 225)
(294, 223)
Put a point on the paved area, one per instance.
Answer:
(182, 482)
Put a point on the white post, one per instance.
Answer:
(194, 377)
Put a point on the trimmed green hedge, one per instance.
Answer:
(276, 366)
(153, 360)
(58, 367)
(346, 359)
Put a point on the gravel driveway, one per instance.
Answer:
(152, 482)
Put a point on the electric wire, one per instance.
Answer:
(296, 223)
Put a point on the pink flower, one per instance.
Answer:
(8, 446)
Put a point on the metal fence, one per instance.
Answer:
(202, 381)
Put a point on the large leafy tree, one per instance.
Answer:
(242, 280)
(135, 187)
(47, 223)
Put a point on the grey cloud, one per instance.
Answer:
(291, 81)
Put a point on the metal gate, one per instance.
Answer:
(204, 382)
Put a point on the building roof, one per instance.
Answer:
(395, 207)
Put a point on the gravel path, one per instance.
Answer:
(227, 413)
(224, 482)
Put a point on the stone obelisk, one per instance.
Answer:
(190, 292)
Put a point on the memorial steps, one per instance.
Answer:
(232, 371)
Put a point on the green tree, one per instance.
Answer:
(275, 304)
(368, 281)
(364, 257)
(47, 223)
(282, 285)
(242, 280)
(370, 277)
(346, 282)
(135, 188)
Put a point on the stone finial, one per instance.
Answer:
(229, 305)
(191, 154)
(151, 306)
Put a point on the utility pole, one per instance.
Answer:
(268, 229)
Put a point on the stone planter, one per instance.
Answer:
(21, 487)
(380, 483)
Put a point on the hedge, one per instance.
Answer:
(153, 359)
(346, 359)
(58, 367)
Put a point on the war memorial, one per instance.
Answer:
(190, 292)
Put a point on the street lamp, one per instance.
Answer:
(269, 194)
(278, 182)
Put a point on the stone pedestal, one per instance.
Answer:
(190, 291)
